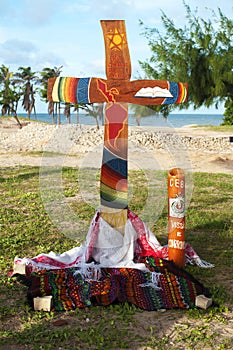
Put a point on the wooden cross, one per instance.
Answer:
(117, 91)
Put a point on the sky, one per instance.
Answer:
(48, 33)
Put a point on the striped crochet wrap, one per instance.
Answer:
(165, 286)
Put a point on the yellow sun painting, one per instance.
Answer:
(117, 39)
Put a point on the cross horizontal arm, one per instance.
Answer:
(96, 90)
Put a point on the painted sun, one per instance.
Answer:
(117, 39)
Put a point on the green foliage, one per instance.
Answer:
(26, 78)
(200, 53)
(9, 92)
(228, 114)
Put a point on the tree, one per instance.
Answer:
(228, 114)
(200, 54)
(93, 110)
(26, 78)
(9, 96)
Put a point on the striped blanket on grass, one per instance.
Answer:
(138, 272)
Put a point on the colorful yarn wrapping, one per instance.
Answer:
(114, 170)
(73, 90)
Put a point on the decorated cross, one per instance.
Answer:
(117, 91)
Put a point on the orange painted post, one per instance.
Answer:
(176, 216)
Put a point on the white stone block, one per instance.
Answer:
(43, 303)
(20, 269)
(203, 302)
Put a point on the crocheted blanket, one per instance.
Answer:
(132, 267)
(163, 286)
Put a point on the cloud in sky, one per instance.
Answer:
(18, 52)
(15, 51)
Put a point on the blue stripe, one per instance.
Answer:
(114, 163)
(83, 90)
(174, 90)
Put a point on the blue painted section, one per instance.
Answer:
(116, 164)
(83, 90)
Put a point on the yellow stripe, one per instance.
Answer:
(113, 193)
(55, 97)
(185, 94)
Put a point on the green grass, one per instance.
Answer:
(22, 119)
(221, 128)
(26, 229)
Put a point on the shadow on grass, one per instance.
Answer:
(27, 174)
(96, 327)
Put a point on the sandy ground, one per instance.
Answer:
(190, 160)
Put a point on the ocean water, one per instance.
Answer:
(173, 120)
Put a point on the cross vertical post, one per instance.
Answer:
(114, 170)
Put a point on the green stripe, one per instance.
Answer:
(61, 89)
(110, 195)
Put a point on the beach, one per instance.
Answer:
(193, 148)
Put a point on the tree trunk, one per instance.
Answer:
(18, 121)
(77, 116)
(59, 114)
(35, 115)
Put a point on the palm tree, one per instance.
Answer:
(6, 93)
(9, 96)
(46, 73)
(94, 110)
(26, 78)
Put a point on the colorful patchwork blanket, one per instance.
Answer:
(111, 267)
